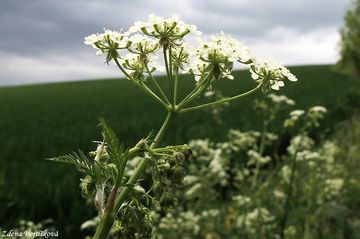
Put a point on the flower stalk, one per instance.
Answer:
(210, 61)
(107, 220)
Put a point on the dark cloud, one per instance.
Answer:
(42, 30)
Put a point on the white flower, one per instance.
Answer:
(306, 155)
(193, 190)
(286, 73)
(139, 189)
(219, 55)
(223, 49)
(171, 29)
(108, 43)
(333, 187)
(141, 44)
(100, 152)
(300, 143)
(210, 213)
(92, 39)
(105, 39)
(181, 56)
(241, 200)
(136, 27)
(217, 168)
(255, 158)
(320, 109)
(281, 99)
(279, 194)
(295, 114)
(277, 85)
(285, 173)
(199, 69)
(135, 64)
(270, 73)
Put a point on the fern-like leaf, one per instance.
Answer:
(81, 162)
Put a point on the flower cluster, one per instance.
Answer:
(167, 31)
(181, 56)
(312, 116)
(168, 176)
(219, 56)
(221, 199)
(137, 65)
(133, 221)
(108, 43)
(211, 59)
(270, 74)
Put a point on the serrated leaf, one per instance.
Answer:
(81, 162)
(117, 152)
(114, 149)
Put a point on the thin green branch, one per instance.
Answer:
(151, 93)
(220, 101)
(168, 72)
(157, 85)
(261, 152)
(289, 192)
(171, 73)
(176, 84)
(203, 84)
(146, 89)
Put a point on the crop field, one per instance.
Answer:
(42, 121)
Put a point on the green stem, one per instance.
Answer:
(107, 220)
(151, 93)
(168, 72)
(288, 197)
(171, 74)
(203, 84)
(176, 84)
(220, 101)
(146, 89)
(157, 85)
(262, 147)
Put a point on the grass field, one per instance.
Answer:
(41, 121)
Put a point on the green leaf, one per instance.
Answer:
(116, 150)
(81, 162)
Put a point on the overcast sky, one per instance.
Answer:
(42, 40)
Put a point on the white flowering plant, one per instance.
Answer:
(248, 187)
(122, 204)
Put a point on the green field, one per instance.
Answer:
(41, 121)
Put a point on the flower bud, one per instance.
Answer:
(187, 153)
(178, 174)
(180, 157)
(164, 167)
(168, 200)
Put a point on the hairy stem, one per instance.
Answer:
(107, 220)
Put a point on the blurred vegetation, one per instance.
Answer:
(41, 121)
(249, 186)
(350, 38)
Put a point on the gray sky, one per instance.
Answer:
(42, 40)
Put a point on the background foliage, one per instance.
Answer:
(350, 37)
(41, 121)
